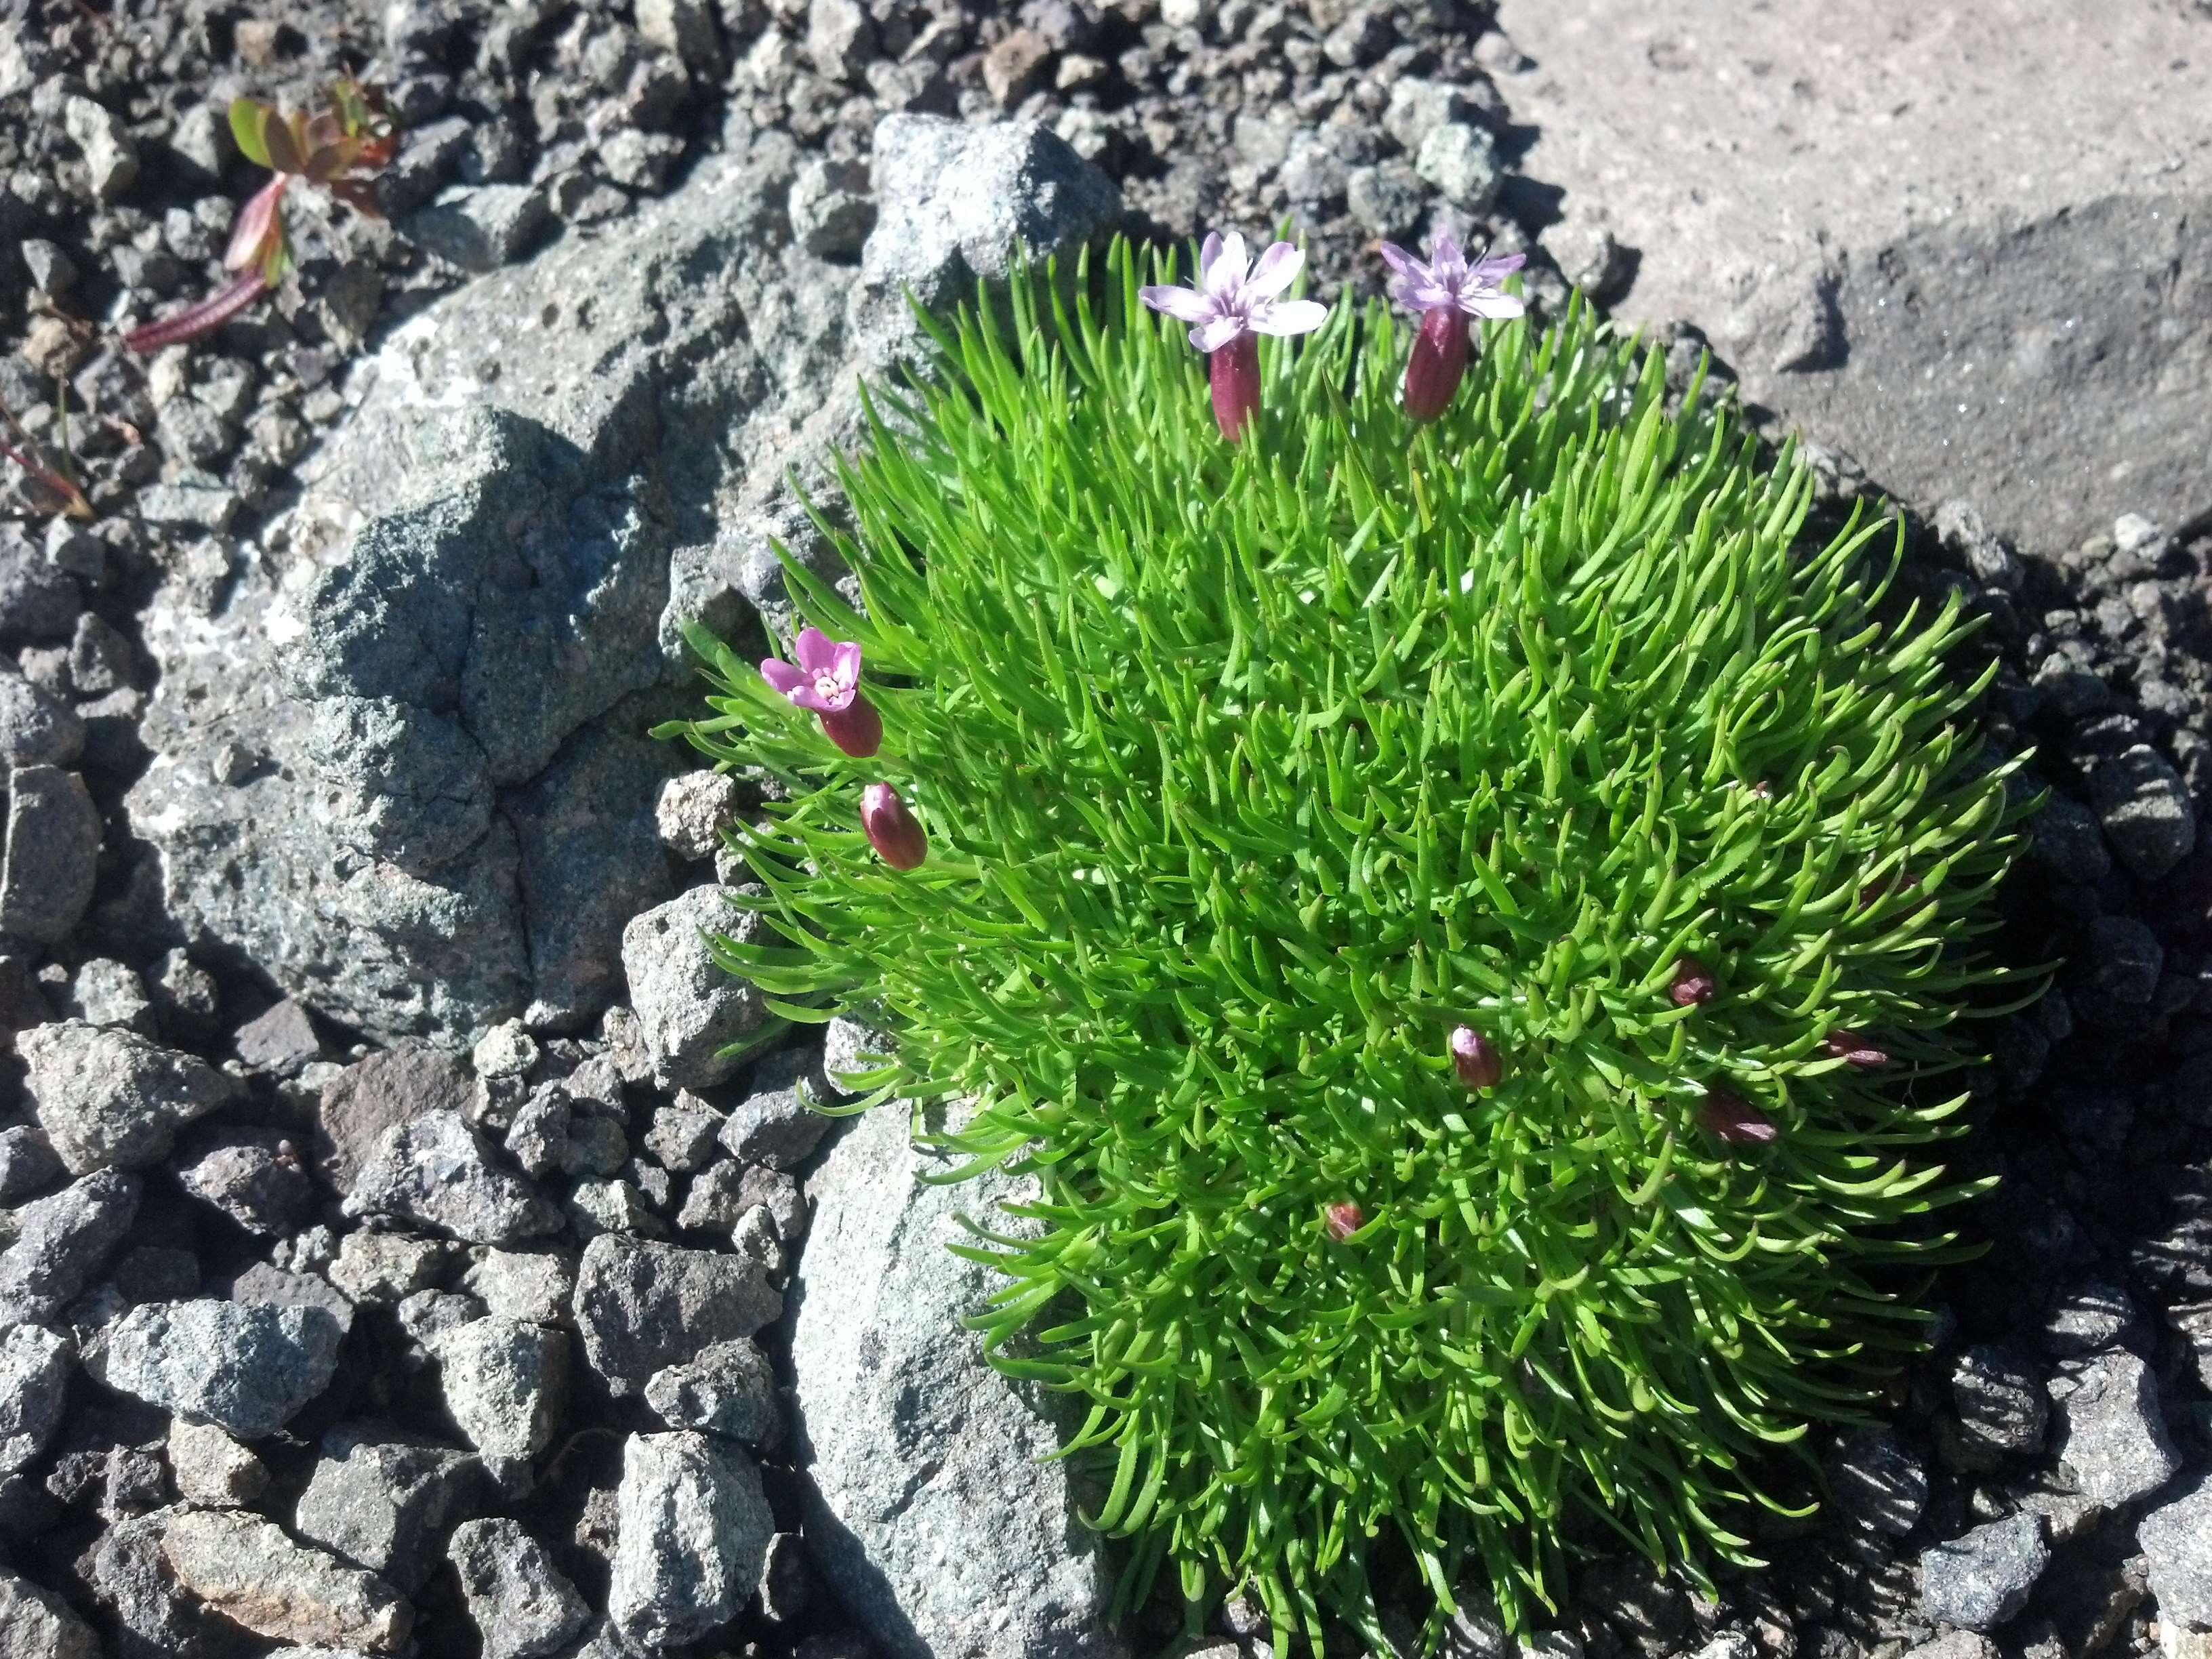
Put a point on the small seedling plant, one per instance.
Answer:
(341, 148)
(1463, 916)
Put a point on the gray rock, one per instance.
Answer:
(266, 1284)
(1461, 162)
(779, 1194)
(375, 1095)
(61, 1242)
(1878, 1482)
(849, 1047)
(530, 1286)
(692, 809)
(642, 1307)
(694, 1530)
(954, 202)
(596, 1206)
(103, 992)
(2086, 1317)
(2066, 839)
(437, 1172)
(185, 998)
(39, 603)
(27, 1162)
(53, 839)
(831, 214)
(188, 504)
(787, 1585)
(686, 28)
(1956, 1644)
(2113, 1446)
(127, 1571)
(714, 1202)
(1999, 349)
(480, 227)
(983, 1556)
(2125, 959)
(2003, 1409)
(690, 1010)
(104, 142)
(727, 1389)
(2145, 809)
(35, 1370)
(37, 728)
(682, 1138)
(384, 1500)
(1388, 200)
(107, 1097)
(840, 38)
(281, 1040)
(521, 1604)
(212, 1470)
(1981, 1580)
(777, 1123)
(505, 1382)
(257, 1177)
(1418, 107)
(37, 1624)
(381, 1270)
(246, 1367)
(246, 1570)
(2176, 1538)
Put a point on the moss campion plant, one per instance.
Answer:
(1458, 916)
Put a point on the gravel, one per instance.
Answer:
(111, 1098)
(694, 1529)
(642, 1306)
(249, 1571)
(1981, 1580)
(385, 1501)
(246, 1367)
(522, 1604)
(436, 1171)
(2176, 1537)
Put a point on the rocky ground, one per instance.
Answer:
(390, 1264)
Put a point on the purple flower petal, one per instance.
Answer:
(845, 662)
(782, 675)
(1178, 303)
(807, 696)
(1288, 316)
(1224, 277)
(1217, 333)
(1208, 251)
(816, 651)
(1276, 270)
(1404, 263)
(1490, 304)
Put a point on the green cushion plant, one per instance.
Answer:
(1459, 917)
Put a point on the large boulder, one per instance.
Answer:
(1922, 234)
(932, 1507)
(448, 818)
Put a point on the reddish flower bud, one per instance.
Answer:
(1474, 1058)
(1850, 1046)
(1733, 1121)
(1439, 361)
(893, 831)
(1693, 983)
(1342, 1220)
(1234, 370)
(856, 728)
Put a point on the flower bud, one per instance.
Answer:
(1234, 370)
(1474, 1058)
(1850, 1046)
(893, 831)
(1693, 983)
(1342, 1220)
(856, 728)
(1439, 360)
(1731, 1119)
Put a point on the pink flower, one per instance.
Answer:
(1446, 291)
(1734, 1121)
(827, 680)
(1474, 1058)
(1854, 1049)
(1693, 983)
(893, 831)
(1231, 305)
(1342, 1220)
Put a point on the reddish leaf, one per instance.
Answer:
(287, 143)
(256, 221)
(202, 317)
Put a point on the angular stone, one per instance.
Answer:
(693, 1532)
(505, 1381)
(381, 1270)
(642, 1306)
(384, 1500)
(1878, 1483)
(27, 1161)
(390, 1087)
(682, 1137)
(211, 1469)
(777, 1124)
(727, 1389)
(1980, 1581)
(281, 1040)
(689, 1007)
(2175, 1538)
(692, 809)
(2145, 809)
(246, 1367)
(257, 1177)
(104, 142)
(930, 1564)
(522, 1604)
(249, 1572)
(61, 1241)
(1992, 337)
(2113, 1446)
(35, 1364)
(108, 1097)
(37, 728)
(37, 1624)
(52, 853)
(480, 227)
(2001, 1402)
(437, 1172)
(534, 1285)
